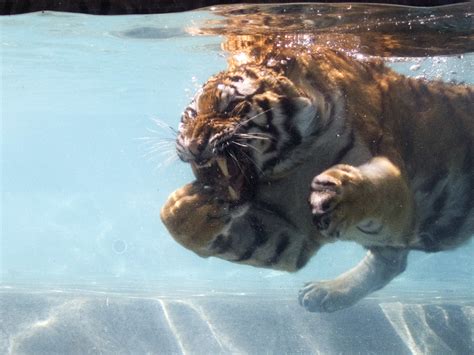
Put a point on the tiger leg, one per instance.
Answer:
(201, 219)
(347, 201)
(377, 269)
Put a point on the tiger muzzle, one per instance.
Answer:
(235, 177)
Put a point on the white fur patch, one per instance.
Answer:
(245, 87)
(227, 95)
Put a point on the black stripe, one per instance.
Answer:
(433, 234)
(281, 247)
(221, 244)
(415, 92)
(275, 211)
(270, 127)
(323, 126)
(236, 78)
(270, 163)
(374, 232)
(260, 238)
(428, 224)
(467, 170)
(289, 109)
(261, 234)
(430, 183)
(244, 109)
(467, 167)
(303, 256)
(433, 239)
(245, 256)
(250, 73)
(425, 92)
(405, 131)
(231, 106)
(463, 137)
(440, 201)
(264, 105)
(345, 149)
(295, 136)
(259, 90)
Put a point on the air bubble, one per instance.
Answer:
(120, 246)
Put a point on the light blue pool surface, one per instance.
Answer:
(86, 264)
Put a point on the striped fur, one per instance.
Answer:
(384, 160)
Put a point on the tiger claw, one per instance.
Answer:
(324, 199)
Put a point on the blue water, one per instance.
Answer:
(81, 188)
(81, 191)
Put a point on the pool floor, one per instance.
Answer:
(75, 321)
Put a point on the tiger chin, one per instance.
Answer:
(292, 151)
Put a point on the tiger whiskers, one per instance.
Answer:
(158, 150)
(254, 163)
(164, 125)
(240, 144)
(234, 158)
(240, 124)
(156, 140)
(247, 145)
(160, 147)
(255, 135)
(244, 145)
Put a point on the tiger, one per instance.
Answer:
(294, 147)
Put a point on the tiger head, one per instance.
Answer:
(249, 121)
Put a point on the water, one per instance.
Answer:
(81, 194)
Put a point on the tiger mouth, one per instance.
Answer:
(229, 175)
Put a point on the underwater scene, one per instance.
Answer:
(93, 110)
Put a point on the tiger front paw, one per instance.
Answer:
(195, 214)
(338, 199)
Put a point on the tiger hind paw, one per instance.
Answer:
(326, 297)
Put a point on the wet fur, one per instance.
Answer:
(386, 161)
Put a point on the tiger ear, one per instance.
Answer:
(306, 116)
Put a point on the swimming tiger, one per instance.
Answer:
(295, 148)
